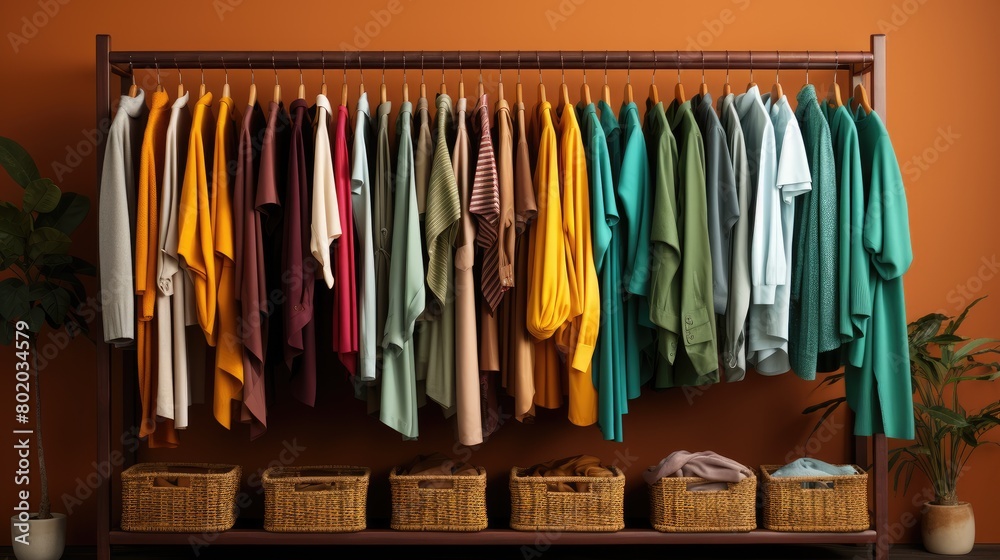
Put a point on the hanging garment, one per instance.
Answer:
(609, 355)
(196, 243)
(325, 225)
(665, 242)
(382, 225)
(250, 285)
(853, 265)
(399, 403)
(721, 198)
(272, 183)
(492, 261)
(117, 216)
(345, 303)
(734, 337)
(161, 433)
(813, 318)
(585, 300)
(635, 207)
(441, 223)
(698, 358)
(517, 347)
(469, 408)
(423, 158)
(298, 263)
(174, 294)
(792, 179)
(548, 280)
(361, 200)
(879, 391)
(229, 349)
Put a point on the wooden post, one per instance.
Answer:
(103, 490)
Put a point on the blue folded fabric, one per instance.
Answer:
(807, 466)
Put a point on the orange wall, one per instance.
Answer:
(938, 53)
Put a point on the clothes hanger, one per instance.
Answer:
(461, 77)
(277, 86)
(180, 80)
(752, 83)
(653, 93)
(361, 73)
(726, 88)
(563, 89)
(518, 93)
(833, 96)
(479, 87)
(628, 78)
(703, 88)
(201, 88)
(541, 86)
(406, 87)
(443, 88)
(322, 86)
(343, 87)
(159, 86)
(302, 84)
(423, 86)
(606, 91)
(860, 98)
(679, 95)
(225, 86)
(776, 92)
(500, 82)
(253, 86)
(808, 59)
(133, 90)
(585, 89)
(381, 87)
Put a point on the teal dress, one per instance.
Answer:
(609, 357)
(635, 209)
(879, 391)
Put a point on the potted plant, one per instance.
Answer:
(39, 285)
(946, 433)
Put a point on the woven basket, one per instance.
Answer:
(334, 502)
(460, 507)
(191, 497)
(827, 504)
(675, 509)
(534, 507)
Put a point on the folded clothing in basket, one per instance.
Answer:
(711, 466)
(437, 464)
(581, 465)
(808, 466)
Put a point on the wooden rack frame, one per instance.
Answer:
(862, 65)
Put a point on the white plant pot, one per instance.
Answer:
(948, 529)
(46, 538)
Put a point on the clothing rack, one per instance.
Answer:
(864, 66)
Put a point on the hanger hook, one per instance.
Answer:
(404, 67)
(562, 67)
(383, 67)
(807, 67)
(224, 69)
(652, 79)
(274, 66)
(442, 67)
(202, 68)
(583, 55)
(751, 66)
(727, 64)
(480, 66)
(499, 65)
(461, 70)
(131, 69)
(250, 66)
(421, 66)
(299, 64)
(518, 66)
(157, 66)
(628, 67)
(323, 65)
(678, 55)
(605, 67)
(361, 69)
(538, 60)
(836, 67)
(180, 78)
(345, 67)
(777, 67)
(703, 66)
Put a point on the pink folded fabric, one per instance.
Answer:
(437, 464)
(705, 464)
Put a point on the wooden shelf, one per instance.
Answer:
(485, 538)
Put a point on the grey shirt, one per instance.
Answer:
(116, 231)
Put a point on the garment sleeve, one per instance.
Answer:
(325, 219)
(859, 278)
(887, 229)
(117, 293)
(664, 302)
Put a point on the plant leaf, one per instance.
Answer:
(56, 303)
(824, 404)
(55, 260)
(943, 339)
(942, 414)
(13, 221)
(45, 241)
(83, 267)
(18, 163)
(925, 327)
(14, 302)
(953, 325)
(41, 195)
(973, 345)
(68, 214)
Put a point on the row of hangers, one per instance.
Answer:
(860, 94)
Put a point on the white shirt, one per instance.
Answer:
(173, 393)
(792, 178)
(362, 203)
(325, 209)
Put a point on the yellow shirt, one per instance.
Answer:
(548, 285)
(229, 350)
(195, 241)
(585, 300)
(146, 246)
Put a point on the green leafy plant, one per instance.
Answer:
(40, 282)
(946, 433)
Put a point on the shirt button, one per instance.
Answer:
(297, 307)
(688, 320)
(689, 337)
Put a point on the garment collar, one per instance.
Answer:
(363, 104)
(181, 101)
(134, 106)
(323, 102)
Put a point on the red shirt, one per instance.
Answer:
(345, 305)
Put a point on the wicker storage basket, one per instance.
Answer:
(802, 503)
(534, 507)
(325, 499)
(461, 506)
(179, 497)
(675, 509)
